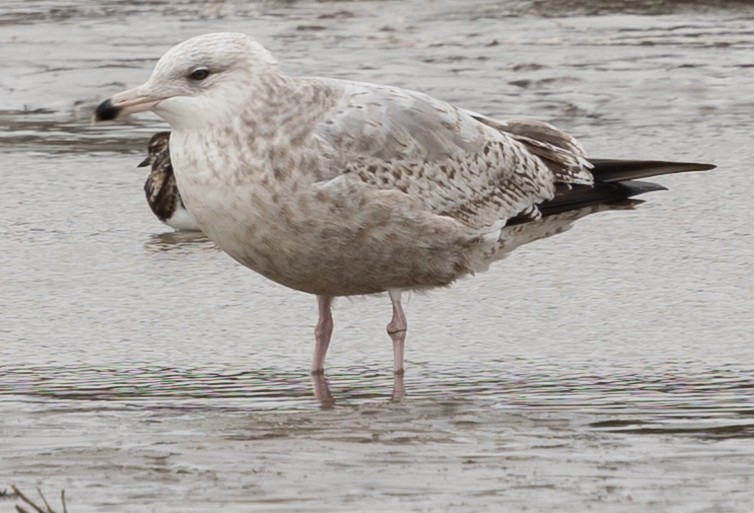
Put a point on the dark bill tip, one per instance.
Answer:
(106, 111)
(144, 163)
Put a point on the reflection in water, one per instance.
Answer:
(30, 130)
(324, 396)
(322, 391)
(717, 403)
(399, 388)
(171, 240)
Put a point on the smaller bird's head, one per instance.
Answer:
(204, 78)
(158, 149)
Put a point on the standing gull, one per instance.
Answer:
(339, 188)
(160, 188)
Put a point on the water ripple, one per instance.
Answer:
(717, 403)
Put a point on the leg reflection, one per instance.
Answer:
(399, 389)
(326, 400)
(322, 391)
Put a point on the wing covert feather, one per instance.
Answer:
(456, 163)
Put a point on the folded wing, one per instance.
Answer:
(455, 162)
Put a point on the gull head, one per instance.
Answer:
(206, 78)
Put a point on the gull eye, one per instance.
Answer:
(199, 74)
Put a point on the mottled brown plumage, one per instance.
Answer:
(160, 188)
(340, 188)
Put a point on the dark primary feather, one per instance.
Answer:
(611, 170)
(614, 181)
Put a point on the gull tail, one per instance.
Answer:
(614, 182)
(610, 170)
(581, 196)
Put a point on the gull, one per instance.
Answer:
(160, 188)
(341, 188)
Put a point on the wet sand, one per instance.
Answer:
(609, 368)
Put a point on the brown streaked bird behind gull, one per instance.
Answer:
(340, 188)
(160, 188)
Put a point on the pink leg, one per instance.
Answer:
(397, 331)
(322, 334)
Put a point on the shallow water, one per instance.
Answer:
(609, 368)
